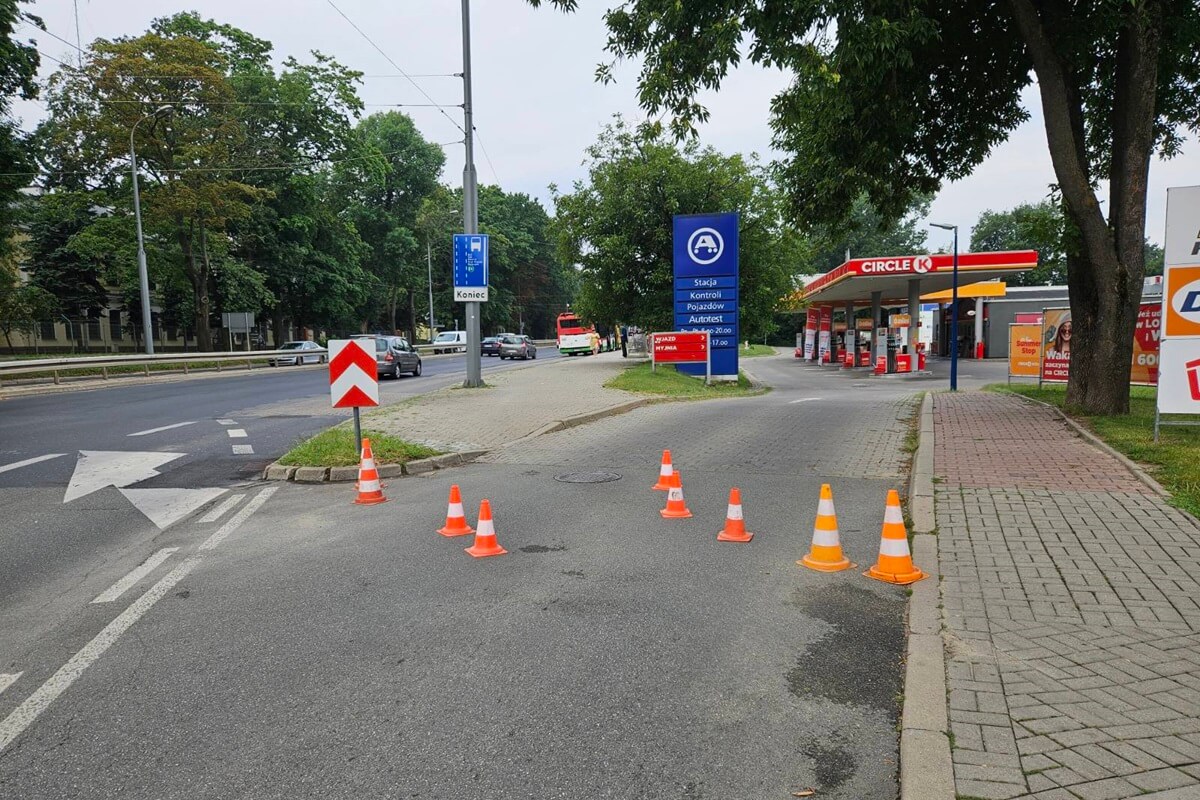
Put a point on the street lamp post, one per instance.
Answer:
(143, 274)
(953, 309)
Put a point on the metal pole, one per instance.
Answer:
(470, 199)
(954, 319)
(143, 274)
(357, 431)
(429, 270)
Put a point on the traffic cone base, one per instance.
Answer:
(895, 564)
(370, 492)
(825, 553)
(676, 508)
(485, 537)
(735, 525)
(456, 518)
(664, 473)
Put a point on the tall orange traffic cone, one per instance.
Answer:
(456, 518)
(895, 563)
(676, 509)
(485, 538)
(369, 490)
(825, 555)
(735, 526)
(664, 473)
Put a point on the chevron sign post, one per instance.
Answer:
(353, 380)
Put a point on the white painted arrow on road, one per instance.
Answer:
(164, 507)
(97, 469)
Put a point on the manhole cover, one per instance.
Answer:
(587, 477)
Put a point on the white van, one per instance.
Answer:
(450, 342)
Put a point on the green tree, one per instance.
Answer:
(19, 63)
(22, 305)
(383, 189)
(75, 277)
(1029, 226)
(892, 97)
(617, 227)
(186, 158)
(866, 232)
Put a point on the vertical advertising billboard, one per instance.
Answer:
(1179, 366)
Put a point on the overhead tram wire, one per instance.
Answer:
(396, 66)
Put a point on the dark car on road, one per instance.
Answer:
(394, 356)
(491, 345)
(299, 353)
(515, 346)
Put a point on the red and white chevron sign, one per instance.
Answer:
(353, 381)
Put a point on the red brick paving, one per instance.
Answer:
(991, 440)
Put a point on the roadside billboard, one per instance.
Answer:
(1024, 350)
(1056, 337)
(706, 267)
(1056, 344)
(1179, 362)
(1146, 341)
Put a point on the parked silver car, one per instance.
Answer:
(516, 346)
(305, 353)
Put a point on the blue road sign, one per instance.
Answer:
(706, 285)
(470, 260)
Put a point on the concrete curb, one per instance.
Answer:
(282, 472)
(1099, 443)
(926, 767)
(583, 419)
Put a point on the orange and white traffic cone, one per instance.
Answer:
(676, 508)
(456, 518)
(825, 555)
(895, 563)
(735, 526)
(664, 473)
(485, 538)
(369, 490)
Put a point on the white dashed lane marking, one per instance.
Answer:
(243, 449)
(226, 422)
(28, 461)
(163, 428)
(226, 505)
(236, 433)
(8, 679)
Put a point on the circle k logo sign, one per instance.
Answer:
(1183, 302)
(922, 265)
(705, 246)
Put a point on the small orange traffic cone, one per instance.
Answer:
(825, 555)
(485, 538)
(735, 526)
(895, 563)
(664, 473)
(369, 490)
(676, 509)
(456, 518)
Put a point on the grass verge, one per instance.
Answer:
(669, 382)
(1174, 461)
(757, 351)
(336, 448)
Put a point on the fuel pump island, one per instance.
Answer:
(888, 340)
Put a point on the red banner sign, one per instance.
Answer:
(683, 347)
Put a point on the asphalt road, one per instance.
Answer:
(62, 546)
(313, 648)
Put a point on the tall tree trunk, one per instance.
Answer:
(1104, 275)
(198, 277)
(277, 332)
(204, 301)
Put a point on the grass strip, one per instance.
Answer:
(336, 448)
(1174, 461)
(667, 381)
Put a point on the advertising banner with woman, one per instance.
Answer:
(1056, 344)
(810, 332)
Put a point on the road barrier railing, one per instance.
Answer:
(116, 365)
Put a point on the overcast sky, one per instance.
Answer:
(537, 104)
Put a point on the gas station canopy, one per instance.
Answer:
(857, 279)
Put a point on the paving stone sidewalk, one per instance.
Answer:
(516, 403)
(1070, 607)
